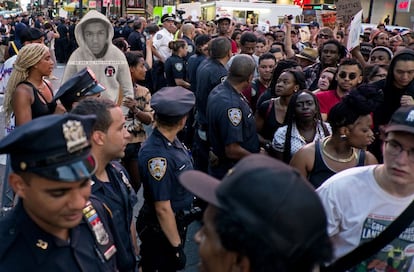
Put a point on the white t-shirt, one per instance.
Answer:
(358, 210)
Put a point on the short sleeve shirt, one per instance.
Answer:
(160, 164)
(327, 100)
(160, 42)
(230, 120)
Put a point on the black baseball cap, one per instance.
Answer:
(270, 199)
(30, 34)
(54, 146)
(402, 120)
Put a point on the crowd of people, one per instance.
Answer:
(181, 110)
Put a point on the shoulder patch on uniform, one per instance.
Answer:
(159, 36)
(190, 49)
(157, 167)
(178, 66)
(235, 116)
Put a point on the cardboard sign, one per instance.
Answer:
(354, 31)
(346, 9)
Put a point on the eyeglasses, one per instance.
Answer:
(394, 148)
(323, 36)
(351, 76)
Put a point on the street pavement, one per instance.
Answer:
(191, 248)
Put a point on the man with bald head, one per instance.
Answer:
(188, 31)
(231, 123)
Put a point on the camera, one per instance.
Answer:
(187, 216)
(180, 12)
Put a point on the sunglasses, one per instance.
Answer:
(323, 36)
(351, 76)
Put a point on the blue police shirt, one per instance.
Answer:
(120, 198)
(26, 247)
(193, 62)
(175, 67)
(190, 47)
(210, 73)
(160, 164)
(230, 120)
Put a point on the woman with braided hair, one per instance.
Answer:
(303, 125)
(28, 95)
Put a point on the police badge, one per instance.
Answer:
(178, 66)
(157, 167)
(235, 116)
(75, 136)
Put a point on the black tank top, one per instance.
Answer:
(321, 172)
(38, 107)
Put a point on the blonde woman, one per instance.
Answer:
(28, 95)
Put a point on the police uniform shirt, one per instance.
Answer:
(126, 30)
(193, 63)
(160, 42)
(26, 247)
(174, 67)
(160, 164)
(230, 120)
(137, 41)
(118, 195)
(190, 47)
(210, 73)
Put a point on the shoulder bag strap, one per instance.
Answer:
(368, 249)
(14, 47)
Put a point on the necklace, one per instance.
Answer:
(350, 158)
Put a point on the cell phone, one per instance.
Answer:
(290, 17)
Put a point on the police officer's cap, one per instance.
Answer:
(81, 84)
(167, 17)
(173, 101)
(55, 147)
(223, 17)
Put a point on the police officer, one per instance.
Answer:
(210, 73)
(176, 66)
(161, 50)
(231, 124)
(110, 183)
(128, 28)
(188, 30)
(80, 85)
(57, 225)
(162, 159)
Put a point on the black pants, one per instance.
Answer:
(156, 251)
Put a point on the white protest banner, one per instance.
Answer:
(354, 31)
